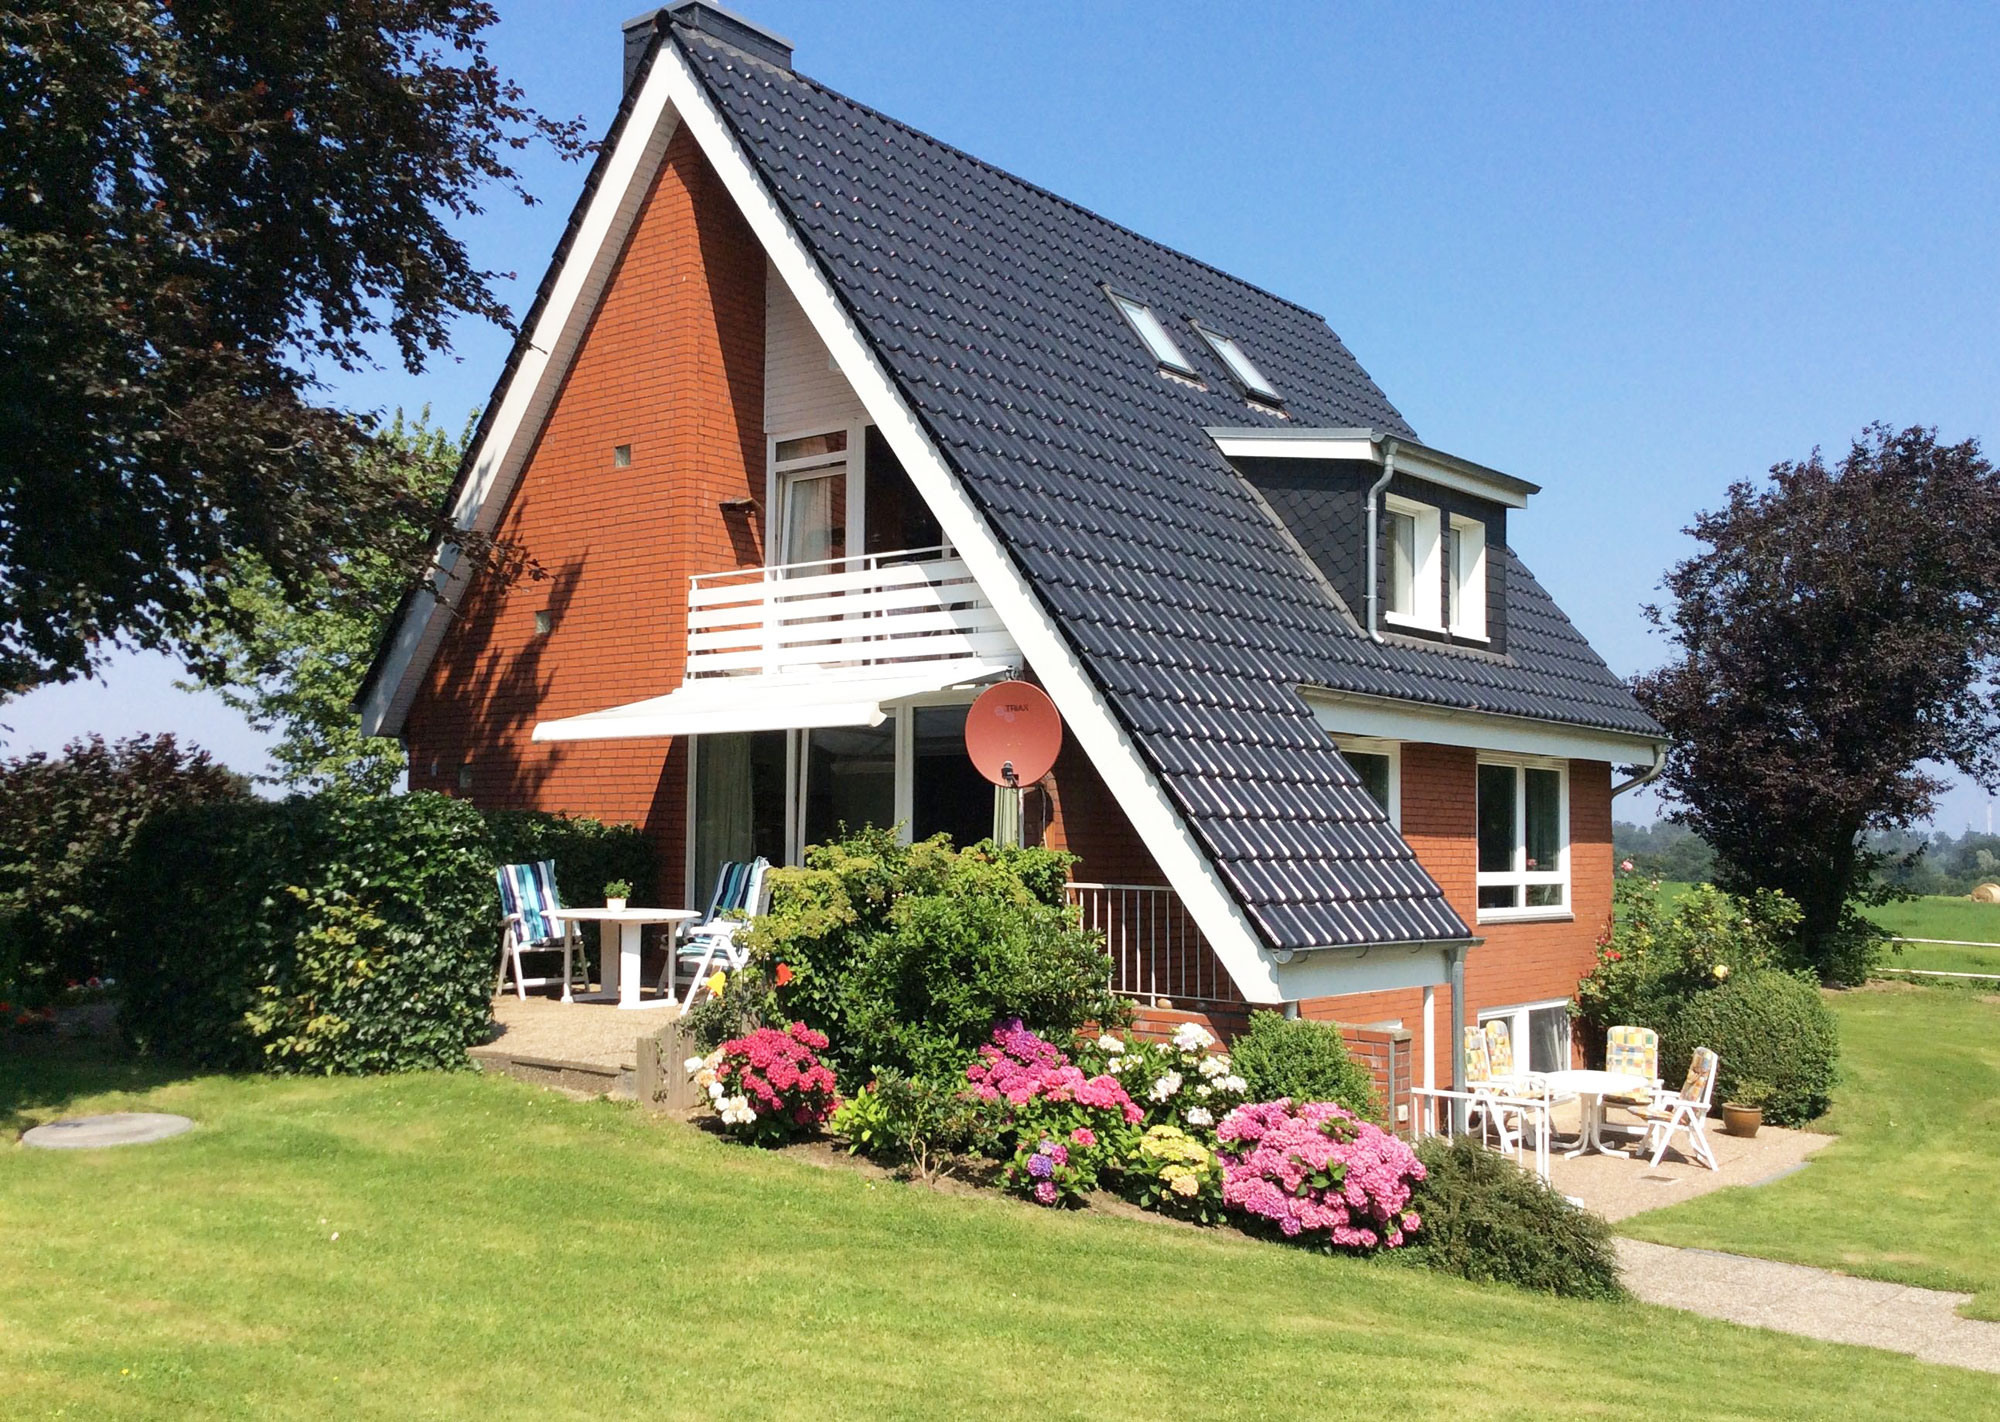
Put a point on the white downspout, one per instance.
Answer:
(1375, 535)
(1647, 778)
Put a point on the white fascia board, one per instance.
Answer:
(1345, 714)
(1416, 460)
(530, 392)
(1088, 716)
(1335, 972)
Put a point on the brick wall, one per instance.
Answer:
(1074, 810)
(1519, 962)
(673, 366)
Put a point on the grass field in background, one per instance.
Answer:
(1958, 919)
(465, 1246)
(1906, 1193)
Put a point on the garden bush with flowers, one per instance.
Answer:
(1058, 1129)
(1319, 1173)
(1173, 1172)
(1186, 1082)
(769, 1087)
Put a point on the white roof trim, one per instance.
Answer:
(710, 705)
(529, 394)
(1186, 865)
(1417, 460)
(1347, 714)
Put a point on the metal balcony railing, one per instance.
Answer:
(1157, 952)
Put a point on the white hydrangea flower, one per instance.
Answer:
(1166, 1086)
(1212, 1067)
(1204, 1091)
(694, 1064)
(1117, 1064)
(736, 1111)
(1192, 1037)
(1199, 1116)
(1111, 1044)
(1234, 1083)
(715, 1092)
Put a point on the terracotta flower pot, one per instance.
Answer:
(1741, 1120)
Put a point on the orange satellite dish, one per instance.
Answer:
(1013, 733)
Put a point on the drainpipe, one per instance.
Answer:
(1375, 535)
(1455, 970)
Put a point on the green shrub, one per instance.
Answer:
(322, 935)
(1307, 1061)
(924, 1125)
(1769, 1028)
(906, 955)
(68, 823)
(1656, 960)
(588, 853)
(1488, 1220)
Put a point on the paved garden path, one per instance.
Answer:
(1815, 1302)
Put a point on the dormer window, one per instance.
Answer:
(1154, 334)
(1410, 539)
(1241, 367)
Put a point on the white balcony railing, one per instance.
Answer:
(879, 610)
(1157, 952)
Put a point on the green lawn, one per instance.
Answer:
(1907, 1193)
(504, 1252)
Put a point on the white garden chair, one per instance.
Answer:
(1487, 1087)
(711, 944)
(528, 903)
(1684, 1110)
(1633, 1051)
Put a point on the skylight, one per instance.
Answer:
(1241, 366)
(1154, 335)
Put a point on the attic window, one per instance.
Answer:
(1154, 335)
(1253, 381)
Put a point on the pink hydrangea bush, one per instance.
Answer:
(1056, 1128)
(1319, 1171)
(769, 1087)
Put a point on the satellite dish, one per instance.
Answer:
(1013, 733)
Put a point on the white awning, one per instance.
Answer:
(712, 705)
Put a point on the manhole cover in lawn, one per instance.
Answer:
(119, 1128)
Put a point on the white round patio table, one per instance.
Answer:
(618, 950)
(1590, 1088)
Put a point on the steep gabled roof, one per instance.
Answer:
(983, 297)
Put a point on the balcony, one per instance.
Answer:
(916, 610)
(1158, 954)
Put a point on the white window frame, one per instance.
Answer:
(1426, 600)
(1393, 751)
(1153, 334)
(852, 461)
(1516, 1018)
(1468, 578)
(1230, 352)
(1520, 876)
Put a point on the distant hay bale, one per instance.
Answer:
(1987, 893)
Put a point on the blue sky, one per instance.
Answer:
(1630, 254)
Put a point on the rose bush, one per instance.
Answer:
(1321, 1171)
(769, 1087)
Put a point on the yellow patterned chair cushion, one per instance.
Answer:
(1500, 1048)
(1478, 1066)
(1634, 1051)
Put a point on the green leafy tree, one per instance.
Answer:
(1837, 636)
(291, 660)
(206, 208)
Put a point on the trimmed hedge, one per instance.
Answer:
(588, 853)
(331, 934)
(1767, 1026)
(1307, 1061)
(1488, 1220)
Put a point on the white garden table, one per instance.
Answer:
(1590, 1088)
(618, 950)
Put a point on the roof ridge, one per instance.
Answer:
(1015, 178)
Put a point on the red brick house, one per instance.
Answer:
(819, 426)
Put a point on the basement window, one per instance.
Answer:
(1154, 334)
(1245, 371)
